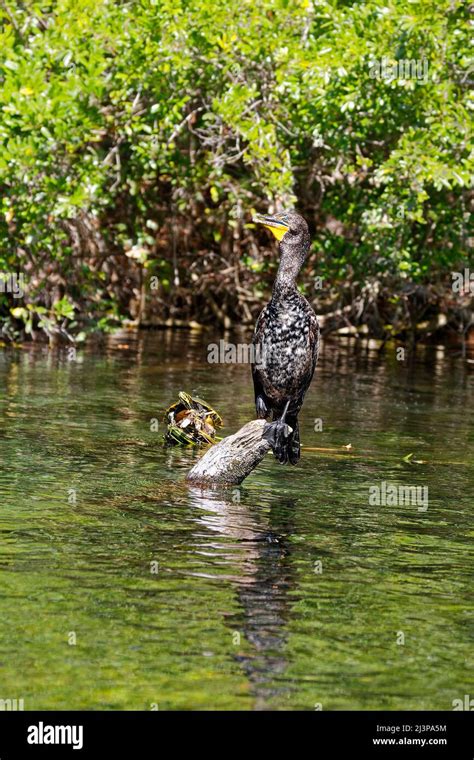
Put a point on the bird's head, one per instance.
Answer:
(292, 232)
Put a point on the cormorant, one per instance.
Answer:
(286, 340)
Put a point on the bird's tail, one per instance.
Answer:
(284, 438)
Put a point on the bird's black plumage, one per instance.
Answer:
(286, 343)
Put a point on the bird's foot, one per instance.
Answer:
(277, 434)
(294, 452)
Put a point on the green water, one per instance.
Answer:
(290, 592)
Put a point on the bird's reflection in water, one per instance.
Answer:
(259, 550)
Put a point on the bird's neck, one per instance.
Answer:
(287, 274)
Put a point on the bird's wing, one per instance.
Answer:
(314, 348)
(256, 342)
(314, 340)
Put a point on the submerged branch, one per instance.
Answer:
(232, 459)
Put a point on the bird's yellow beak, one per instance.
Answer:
(277, 224)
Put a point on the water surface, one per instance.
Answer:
(122, 588)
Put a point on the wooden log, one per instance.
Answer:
(232, 459)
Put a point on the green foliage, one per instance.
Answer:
(137, 137)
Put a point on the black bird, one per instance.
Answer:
(286, 341)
